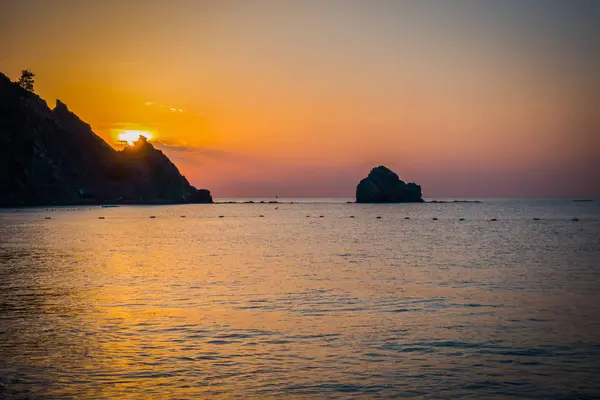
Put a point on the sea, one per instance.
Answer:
(307, 299)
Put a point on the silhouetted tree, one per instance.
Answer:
(26, 80)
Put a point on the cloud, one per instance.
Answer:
(191, 150)
(170, 108)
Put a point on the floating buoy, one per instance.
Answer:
(378, 217)
(435, 219)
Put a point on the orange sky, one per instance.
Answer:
(302, 98)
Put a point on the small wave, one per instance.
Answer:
(221, 342)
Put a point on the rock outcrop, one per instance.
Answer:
(200, 196)
(383, 186)
(52, 157)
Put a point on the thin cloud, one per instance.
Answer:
(192, 150)
(170, 108)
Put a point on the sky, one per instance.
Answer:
(302, 98)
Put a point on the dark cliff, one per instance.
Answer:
(383, 186)
(50, 156)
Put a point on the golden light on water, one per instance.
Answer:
(130, 136)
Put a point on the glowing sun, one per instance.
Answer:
(131, 136)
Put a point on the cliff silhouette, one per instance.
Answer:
(52, 157)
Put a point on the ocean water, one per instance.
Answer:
(292, 305)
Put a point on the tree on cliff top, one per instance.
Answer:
(26, 80)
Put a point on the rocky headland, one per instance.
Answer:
(52, 157)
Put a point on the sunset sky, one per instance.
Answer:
(303, 98)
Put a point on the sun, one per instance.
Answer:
(130, 136)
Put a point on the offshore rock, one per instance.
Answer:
(383, 186)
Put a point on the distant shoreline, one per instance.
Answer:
(306, 200)
(346, 202)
